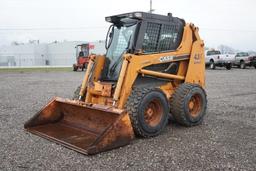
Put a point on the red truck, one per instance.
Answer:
(82, 56)
(84, 50)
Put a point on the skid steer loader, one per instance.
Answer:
(154, 69)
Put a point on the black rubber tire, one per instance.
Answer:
(179, 104)
(171, 118)
(136, 106)
(76, 93)
(228, 66)
(242, 65)
(212, 65)
(85, 65)
(75, 68)
(255, 66)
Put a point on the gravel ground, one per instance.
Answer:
(225, 140)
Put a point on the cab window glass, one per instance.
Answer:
(161, 37)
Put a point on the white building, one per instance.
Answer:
(23, 55)
(36, 54)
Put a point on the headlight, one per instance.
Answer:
(108, 19)
(130, 15)
(138, 14)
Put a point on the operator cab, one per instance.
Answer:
(82, 50)
(139, 33)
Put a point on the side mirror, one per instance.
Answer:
(109, 36)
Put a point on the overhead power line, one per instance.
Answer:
(226, 30)
(52, 28)
(102, 27)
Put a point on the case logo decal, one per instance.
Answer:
(166, 58)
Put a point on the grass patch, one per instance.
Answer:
(50, 69)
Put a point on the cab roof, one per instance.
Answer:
(142, 16)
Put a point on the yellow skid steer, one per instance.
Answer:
(154, 69)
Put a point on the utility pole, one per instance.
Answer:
(151, 10)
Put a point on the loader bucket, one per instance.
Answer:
(88, 129)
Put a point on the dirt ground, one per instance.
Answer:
(225, 140)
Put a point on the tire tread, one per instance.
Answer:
(177, 104)
(132, 107)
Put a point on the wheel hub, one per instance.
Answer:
(191, 105)
(153, 113)
(150, 112)
(211, 66)
(194, 105)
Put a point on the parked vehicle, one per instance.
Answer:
(82, 57)
(84, 50)
(252, 61)
(243, 59)
(214, 58)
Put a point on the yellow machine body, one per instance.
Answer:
(100, 122)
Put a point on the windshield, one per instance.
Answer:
(121, 38)
(214, 52)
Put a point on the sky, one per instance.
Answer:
(227, 22)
